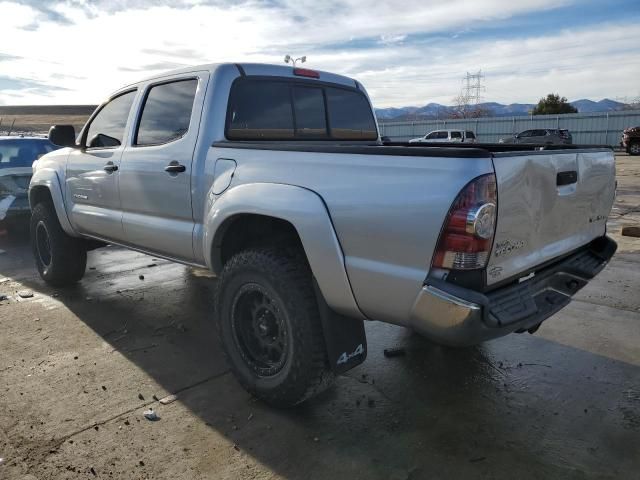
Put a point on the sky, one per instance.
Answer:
(405, 53)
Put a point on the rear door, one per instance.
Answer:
(155, 173)
(549, 204)
(92, 196)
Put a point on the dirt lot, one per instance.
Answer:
(38, 119)
(78, 367)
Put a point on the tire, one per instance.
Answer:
(634, 148)
(269, 326)
(60, 259)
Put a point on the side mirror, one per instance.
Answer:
(63, 135)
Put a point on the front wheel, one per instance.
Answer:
(270, 327)
(61, 260)
(634, 148)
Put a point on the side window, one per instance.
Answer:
(432, 135)
(166, 112)
(444, 135)
(456, 135)
(107, 127)
(470, 134)
(260, 111)
(525, 134)
(311, 120)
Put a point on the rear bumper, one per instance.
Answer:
(458, 316)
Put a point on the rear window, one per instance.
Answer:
(456, 134)
(291, 110)
(23, 152)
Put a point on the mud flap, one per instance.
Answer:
(344, 337)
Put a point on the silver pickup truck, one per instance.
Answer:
(276, 179)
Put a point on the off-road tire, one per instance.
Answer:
(67, 258)
(634, 148)
(284, 274)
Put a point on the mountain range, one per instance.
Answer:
(435, 110)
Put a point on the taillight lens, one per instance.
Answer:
(466, 239)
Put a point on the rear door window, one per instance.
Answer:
(280, 110)
(456, 135)
(470, 134)
(166, 113)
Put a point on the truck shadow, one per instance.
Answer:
(509, 407)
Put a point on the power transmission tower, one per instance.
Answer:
(470, 95)
(472, 87)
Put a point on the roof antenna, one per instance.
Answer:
(293, 61)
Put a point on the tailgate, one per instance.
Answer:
(549, 204)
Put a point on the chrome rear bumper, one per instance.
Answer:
(457, 316)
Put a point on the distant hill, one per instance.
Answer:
(435, 110)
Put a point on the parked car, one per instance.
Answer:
(16, 157)
(446, 136)
(541, 136)
(631, 140)
(312, 225)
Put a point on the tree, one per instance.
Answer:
(553, 104)
(462, 108)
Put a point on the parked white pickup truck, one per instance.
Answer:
(276, 179)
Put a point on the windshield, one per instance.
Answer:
(21, 152)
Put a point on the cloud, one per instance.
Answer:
(403, 55)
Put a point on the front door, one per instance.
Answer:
(92, 171)
(155, 173)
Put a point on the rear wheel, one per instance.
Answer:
(270, 327)
(634, 148)
(60, 259)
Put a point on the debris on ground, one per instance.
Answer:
(3, 297)
(140, 397)
(371, 402)
(151, 415)
(631, 231)
(141, 277)
(394, 352)
(25, 294)
(168, 399)
(155, 397)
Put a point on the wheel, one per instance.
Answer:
(634, 148)
(61, 259)
(269, 325)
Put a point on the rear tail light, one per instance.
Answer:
(466, 239)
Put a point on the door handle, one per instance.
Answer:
(566, 178)
(110, 167)
(174, 167)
